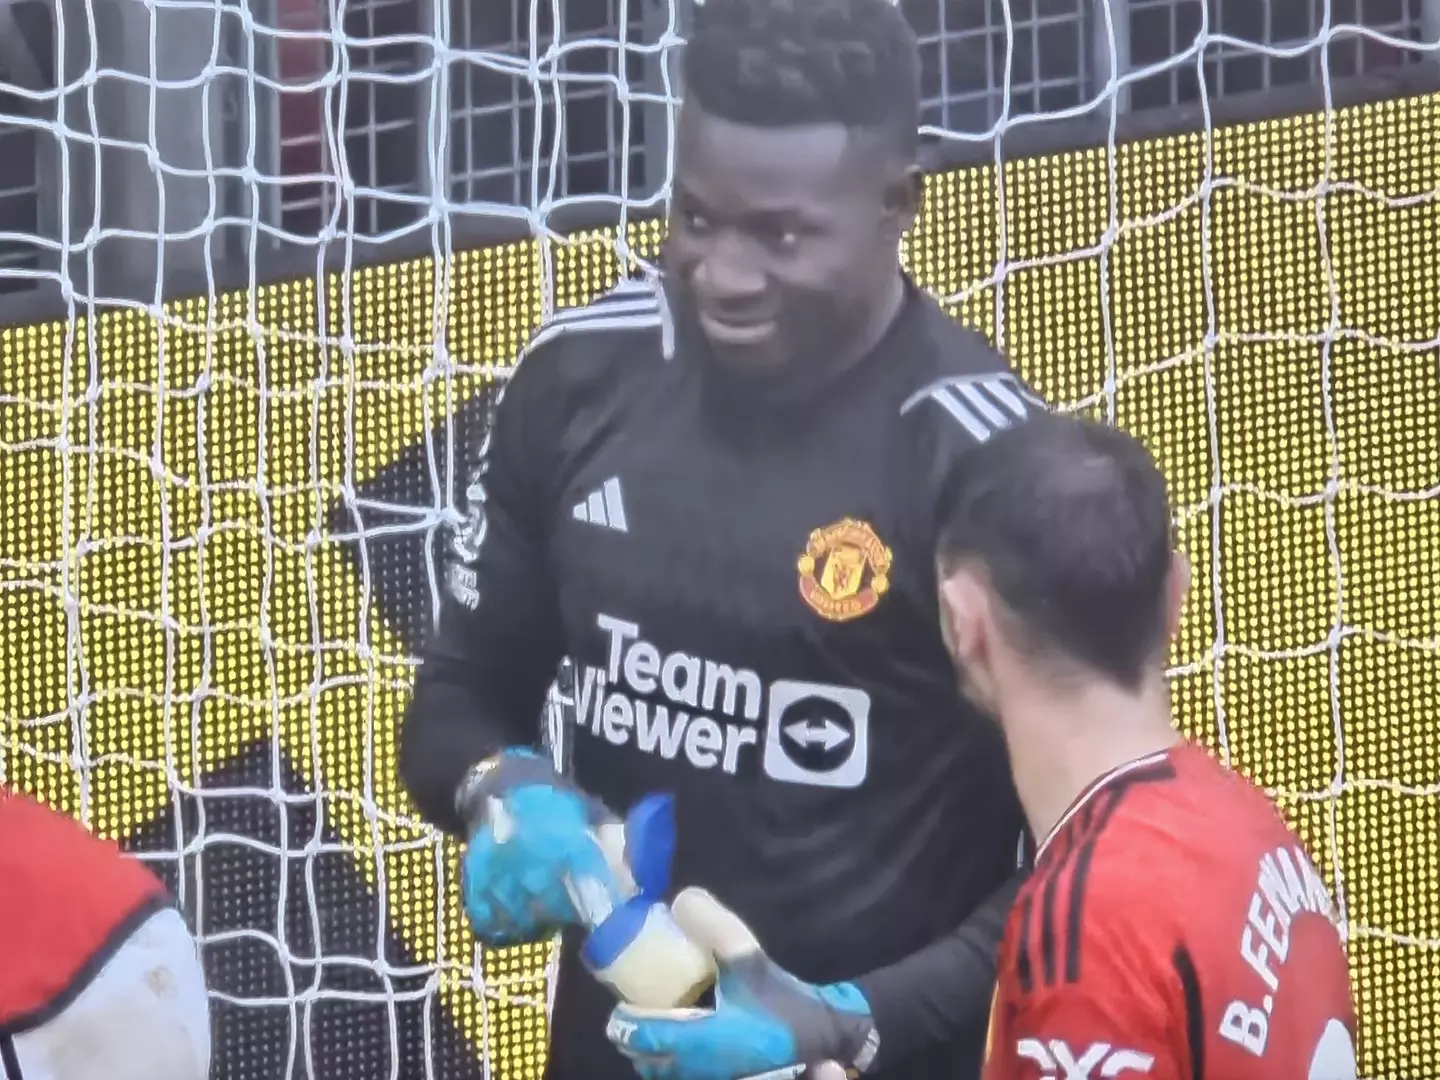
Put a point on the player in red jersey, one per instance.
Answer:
(99, 976)
(1173, 926)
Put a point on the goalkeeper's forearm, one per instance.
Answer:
(451, 726)
(932, 995)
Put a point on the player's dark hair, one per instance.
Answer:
(1070, 522)
(779, 63)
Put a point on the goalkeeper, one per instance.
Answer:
(716, 491)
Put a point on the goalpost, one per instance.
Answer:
(250, 328)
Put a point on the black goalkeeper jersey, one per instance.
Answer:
(747, 594)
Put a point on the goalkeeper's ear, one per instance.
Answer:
(714, 927)
(1178, 588)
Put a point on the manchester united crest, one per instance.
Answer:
(844, 571)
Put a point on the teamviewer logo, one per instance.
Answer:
(817, 734)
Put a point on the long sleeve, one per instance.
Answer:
(493, 652)
(947, 986)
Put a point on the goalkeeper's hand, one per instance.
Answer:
(764, 1021)
(535, 861)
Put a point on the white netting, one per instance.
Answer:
(214, 562)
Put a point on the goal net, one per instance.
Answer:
(263, 266)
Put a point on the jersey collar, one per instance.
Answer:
(1099, 784)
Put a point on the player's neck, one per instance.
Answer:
(1062, 741)
(884, 316)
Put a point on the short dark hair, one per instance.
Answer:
(780, 63)
(1069, 521)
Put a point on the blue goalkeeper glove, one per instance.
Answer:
(765, 1022)
(535, 861)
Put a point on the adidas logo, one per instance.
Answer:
(604, 507)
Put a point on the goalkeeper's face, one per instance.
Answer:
(783, 242)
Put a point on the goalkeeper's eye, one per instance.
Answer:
(777, 236)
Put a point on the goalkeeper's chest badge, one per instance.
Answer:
(844, 570)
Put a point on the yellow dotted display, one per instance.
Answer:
(1255, 304)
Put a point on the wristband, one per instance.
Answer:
(509, 769)
(470, 795)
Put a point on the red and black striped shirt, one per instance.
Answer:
(1174, 927)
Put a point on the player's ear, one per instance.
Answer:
(904, 197)
(1178, 588)
(961, 612)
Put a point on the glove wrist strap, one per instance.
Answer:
(470, 794)
(496, 775)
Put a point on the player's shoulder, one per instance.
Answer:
(35, 835)
(1153, 819)
(1154, 832)
(955, 390)
(959, 378)
(1088, 902)
(574, 347)
(1216, 810)
(951, 348)
(29, 827)
(633, 308)
(22, 815)
(1237, 837)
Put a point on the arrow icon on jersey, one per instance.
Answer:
(826, 734)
